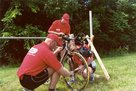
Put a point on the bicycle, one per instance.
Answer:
(77, 81)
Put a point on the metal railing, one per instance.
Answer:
(22, 37)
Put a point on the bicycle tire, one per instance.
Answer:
(80, 82)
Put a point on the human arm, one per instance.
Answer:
(80, 67)
(52, 62)
(65, 72)
(55, 29)
(58, 50)
(92, 38)
(57, 33)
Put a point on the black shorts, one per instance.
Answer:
(90, 65)
(32, 82)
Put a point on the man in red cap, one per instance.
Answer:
(40, 64)
(60, 27)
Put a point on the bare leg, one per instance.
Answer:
(85, 72)
(54, 79)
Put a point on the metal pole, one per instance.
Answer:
(22, 37)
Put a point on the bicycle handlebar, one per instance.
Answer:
(67, 38)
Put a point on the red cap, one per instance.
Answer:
(55, 38)
(66, 17)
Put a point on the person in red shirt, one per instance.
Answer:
(84, 50)
(40, 64)
(60, 27)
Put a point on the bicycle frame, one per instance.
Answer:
(68, 52)
(66, 49)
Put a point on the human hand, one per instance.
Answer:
(92, 38)
(80, 69)
(61, 34)
(59, 48)
(71, 73)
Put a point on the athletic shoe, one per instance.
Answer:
(91, 78)
(72, 80)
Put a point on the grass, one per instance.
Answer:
(122, 70)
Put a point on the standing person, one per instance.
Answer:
(60, 27)
(40, 64)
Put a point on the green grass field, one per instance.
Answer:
(122, 70)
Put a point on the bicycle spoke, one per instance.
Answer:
(77, 82)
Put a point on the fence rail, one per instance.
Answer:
(22, 37)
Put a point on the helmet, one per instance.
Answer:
(85, 52)
(79, 39)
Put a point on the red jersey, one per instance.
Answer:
(78, 60)
(57, 26)
(37, 59)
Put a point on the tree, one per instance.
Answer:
(114, 22)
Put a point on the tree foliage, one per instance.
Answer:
(11, 48)
(114, 23)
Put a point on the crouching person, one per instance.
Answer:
(40, 64)
(84, 50)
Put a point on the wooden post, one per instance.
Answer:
(94, 50)
(90, 19)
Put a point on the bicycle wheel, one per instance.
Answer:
(77, 81)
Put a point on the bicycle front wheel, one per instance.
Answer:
(77, 81)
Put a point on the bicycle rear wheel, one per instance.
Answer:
(77, 81)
